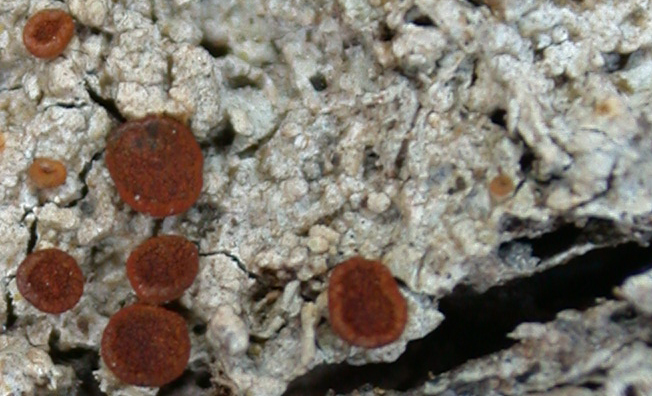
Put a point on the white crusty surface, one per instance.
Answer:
(331, 128)
(28, 370)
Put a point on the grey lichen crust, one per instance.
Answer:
(334, 128)
(604, 345)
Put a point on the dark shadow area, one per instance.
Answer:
(548, 244)
(83, 362)
(318, 82)
(191, 382)
(476, 324)
(526, 162)
(385, 33)
(417, 17)
(499, 117)
(219, 138)
(615, 61)
(562, 238)
(225, 136)
(11, 315)
(33, 236)
(217, 49)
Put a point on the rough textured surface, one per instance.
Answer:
(365, 306)
(156, 165)
(336, 128)
(161, 268)
(29, 370)
(146, 345)
(599, 345)
(50, 280)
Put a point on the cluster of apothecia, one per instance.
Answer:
(146, 344)
(143, 344)
(157, 165)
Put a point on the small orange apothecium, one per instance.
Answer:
(47, 173)
(156, 165)
(162, 268)
(48, 32)
(501, 186)
(51, 280)
(365, 305)
(146, 345)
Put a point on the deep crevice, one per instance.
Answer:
(240, 81)
(194, 381)
(11, 315)
(318, 82)
(66, 105)
(237, 262)
(630, 391)
(526, 162)
(550, 244)
(477, 324)
(199, 328)
(499, 117)
(217, 49)
(221, 138)
(83, 362)
(157, 227)
(385, 33)
(108, 104)
(615, 61)
(402, 155)
(417, 17)
(82, 178)
(33, 236)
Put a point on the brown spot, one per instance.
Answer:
(48, 32)
(501, 186)
(47, 173)
(365, 305)
(83, 325)
(162, 268)
(50, 280)
(609, 107)
(156, 165)
(146, 345)
(3, 141)
(496, 6)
